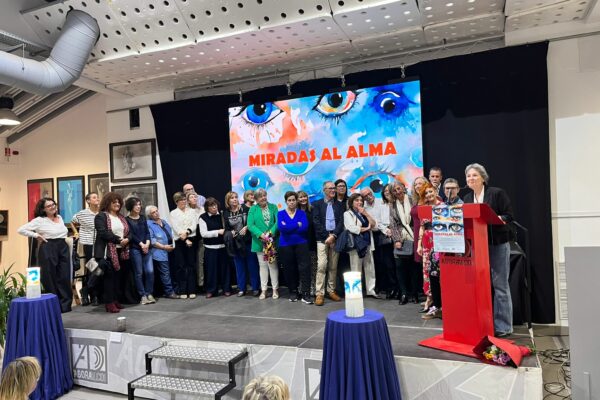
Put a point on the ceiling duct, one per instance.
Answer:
(65, 64)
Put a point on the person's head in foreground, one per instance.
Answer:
(269, 387)
(20, 378)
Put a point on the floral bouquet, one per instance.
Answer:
(268, 248)
(493, 350)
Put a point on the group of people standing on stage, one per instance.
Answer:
(393, 246)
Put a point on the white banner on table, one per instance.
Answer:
(448, 228)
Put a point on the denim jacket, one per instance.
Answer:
(157, 235)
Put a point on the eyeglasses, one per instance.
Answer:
(341, 186)
(330, 188)
(50, 205)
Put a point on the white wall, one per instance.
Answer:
(72, 144)
(574, 112)
(75, 143)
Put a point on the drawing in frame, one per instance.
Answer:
(70, 197)
(146, 192)
(133, 161)
(36, 190)
(98, 183)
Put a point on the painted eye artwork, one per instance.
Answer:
(456, 227)
(256, 179)
(369, 137)
(334, 105)
(440, 228)
(260, 114)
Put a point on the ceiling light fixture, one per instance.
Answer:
(7, 115)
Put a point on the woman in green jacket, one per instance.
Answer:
(262, 224)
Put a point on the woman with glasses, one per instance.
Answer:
(49, 229)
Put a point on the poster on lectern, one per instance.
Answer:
(369, 137)
(448, 228)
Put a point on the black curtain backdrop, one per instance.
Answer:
(489, 107)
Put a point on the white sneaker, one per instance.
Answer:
(183, 296)
(144, 300)
(151, 299)
(192, 296)
(262, 296)
(275, 294)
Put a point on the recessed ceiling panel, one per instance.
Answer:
(518, 6)
(554, 14)
(308, 33)
(382, 18)
(468, 28)
(391, 43)
(434, 11)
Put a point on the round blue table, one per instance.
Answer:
(35, 328)
(358, 362)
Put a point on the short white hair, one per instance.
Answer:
(149, 210)
(480, 169)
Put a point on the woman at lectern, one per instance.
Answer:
(55, 269)
(498, 242)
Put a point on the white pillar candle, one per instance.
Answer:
(354, 299)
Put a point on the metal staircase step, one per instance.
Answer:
(203, 355)
(178, 384)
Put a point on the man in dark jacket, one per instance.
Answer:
(328, 220)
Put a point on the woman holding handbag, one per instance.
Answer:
(407, 270)
(358, 222)
(111, 247)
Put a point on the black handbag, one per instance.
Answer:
(345, 242)
(405, 250)
(382, 239)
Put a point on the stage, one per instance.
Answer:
(286, 338)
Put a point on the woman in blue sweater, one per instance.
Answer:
(293, 247)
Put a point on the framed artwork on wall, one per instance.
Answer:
(3, 224)
(70, 196)
(37, 189)
(146, 192)
(133, 161)
(98, 183)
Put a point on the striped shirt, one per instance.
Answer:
(85, 220)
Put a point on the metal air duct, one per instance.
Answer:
(65, 64)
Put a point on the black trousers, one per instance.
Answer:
(55, 271)
(436, 290)
(112, 281)
(388, 280)
(407, 274)
(185, 264)
(296, 264)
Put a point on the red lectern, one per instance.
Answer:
(465, 282)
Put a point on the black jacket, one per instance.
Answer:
(104, 236)
(499, 201)
(319, 212)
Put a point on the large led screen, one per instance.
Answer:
(368, 137)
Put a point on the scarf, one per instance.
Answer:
(402, 212)
(112, 247)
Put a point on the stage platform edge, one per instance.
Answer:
(109, 360)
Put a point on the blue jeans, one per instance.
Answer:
(247, 263)
(165, 276)
(500, 271)
(143, 271)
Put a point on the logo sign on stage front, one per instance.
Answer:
(89, 359)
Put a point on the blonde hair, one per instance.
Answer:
(269, 387)
(416, 196)
(308, 206)
(228, 197)
(19, 378)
